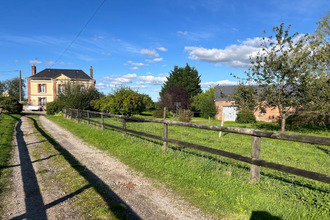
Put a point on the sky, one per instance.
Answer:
(137, 43)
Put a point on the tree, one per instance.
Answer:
(75, 97)
(186, 78)
(245, 96)
(147, 101)
(124, 101)
(12, 86)
(204, 102)
(175, 97)
(279, 70)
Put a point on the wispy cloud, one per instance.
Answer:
(222, 82)
(35, 61)
(162, 49)
(149, 52)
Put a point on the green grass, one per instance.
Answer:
(218, 185)
(7, 125)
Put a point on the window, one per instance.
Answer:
(42, 88)
(42, 101)
(61, 89)
(82, 88)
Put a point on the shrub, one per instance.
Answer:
(11, 105)
(54, 107)
(185, 115)
(297, 122)
(245, 117)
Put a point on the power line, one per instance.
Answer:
(91, 18)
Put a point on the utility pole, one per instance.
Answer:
(20, 87)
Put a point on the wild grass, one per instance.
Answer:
(7, 125)
(218, 185)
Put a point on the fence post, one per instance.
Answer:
(65, 115)
(77, 116)
(255, 155)
(165, 132)
(102, 118)
(124, 126)
(88, 122)
(222, 120)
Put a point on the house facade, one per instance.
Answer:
(44, 86)
(228, 108)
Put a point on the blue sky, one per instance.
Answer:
(137, 43)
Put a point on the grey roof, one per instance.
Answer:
(227, 91)
(52, 73)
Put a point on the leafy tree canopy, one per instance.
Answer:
(184, 77)
(175, 97)
(204, 103)
(246, 97)
(12, 86)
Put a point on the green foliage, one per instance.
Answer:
(186, 78)
(245, 97)
(204, 103)
(55, 107)
(12, 87)
(158, 113)
(245, 117)
(10, 105)
(147, 101)
(303, 121)
(124, 101)
(185, 115)
(74, 97)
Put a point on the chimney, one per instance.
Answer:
(91, 70)
(34, 69)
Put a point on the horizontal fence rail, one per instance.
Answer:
(255, 134)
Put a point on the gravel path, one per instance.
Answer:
(33, 196)
(139, 194)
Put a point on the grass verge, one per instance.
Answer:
(218, 185)
(7, 125)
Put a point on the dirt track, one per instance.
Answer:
(142, 197)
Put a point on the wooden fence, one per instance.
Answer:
(255, 134)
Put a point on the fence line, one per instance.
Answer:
(255, 134)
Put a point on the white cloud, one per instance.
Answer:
(233, 55)
(149, 52)
(185, 33)
(65, 64)
(222, 82)
(35, 61)
(134, 68)
(149, 73)
(153, 80)
(136, 64)
(106, 54)
(49, 63)
(139, 87)
(162, 49)
(155, 60)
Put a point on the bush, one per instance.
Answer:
(158, 113)
(314, 121)
(185, 115)
(54, 107)
(11, 105)
(245, 117)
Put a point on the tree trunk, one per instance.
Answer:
(283, 120)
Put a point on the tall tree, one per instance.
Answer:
(278, 69)
(186, 78)
(245, 96)
(12, 86)
(174, 98)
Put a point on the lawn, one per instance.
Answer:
(7, 124)
(218, 185)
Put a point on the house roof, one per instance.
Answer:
(53, 73)
(227, 91)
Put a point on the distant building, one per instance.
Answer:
(44, 86)
(228, 107)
